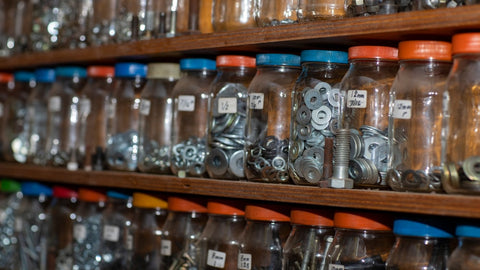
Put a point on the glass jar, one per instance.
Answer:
(183, 17)
(190, 117)
(150, 215)
(416, 116)
(269, 107)
(427, 4)
(205, 16)
(74, 31)
(156, 107)
(6, 85)
(364, 101)
(227, 117)
(185, 222)
(15, 115)
(61, 213)
(362, 241)
(4, 51)
(140, 20)
(278, 12)
(37, 114)
(63, 117)
(102, 23)
(315, 105)
(308, 242)
(466, 254)
(123, 116)
(94, 103)
(377, 7)
(231, 15)
(87, 229)
(19, 22)
(315, 10)
(420, 244)
(10, 223)
(264, 236)
(218, 245)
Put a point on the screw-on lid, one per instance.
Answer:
(183, 205)
(466, 43)
(278, 59)
(363, 221)
(425, 50)
(324, 56)
(118, 195)
(235, 61)
(9, 185)
(130, 70)
(266, 213)
(197, 63)
(35, 189)
(169, 71)
(374, 52)
(421, 228)
(312, 217)
(143, 200)
(71, 71)
(101, 71)
(64, 193)
(5, 77)
(89, 195)
(23, 76)
(221, 207)
(469, 230)
(45, 75)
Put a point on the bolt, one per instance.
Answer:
(339, 177)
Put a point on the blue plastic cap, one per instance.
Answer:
(278, 59)
(324, 56)
(118, 195)
(36, 189)
(197, 63)
(23, 76)
(422, 228)
(130, 70)
(468, 231)
(45, 75)
(71, 71)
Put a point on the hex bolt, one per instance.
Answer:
(340, 178)
(328, 158)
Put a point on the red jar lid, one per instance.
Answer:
(183, 205)
(312, 217)
(425, 50)
(382, 52)
(5, 77)
(64, 193)
(89, 195)
(101, 71)
(235, 61)
(225, 208)
(255, 212)
(466, 43)
(363, 221)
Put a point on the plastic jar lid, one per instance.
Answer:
(324, 56)
(89, 195)
(362, 221)
(197, 63)
(382, 52)
(117, 195)
(130, 70)
(468, 231)
(143, 200)
(23, 76)
(425, 50)
(224, 208)
(312, 217)
(5, 77)
(163, 71)
(255, 212)
(64, 193)
(101, 71)
(36, 189)
(420, 229)
(466, 43)
(71, 71)
(45, 75)
(10, 186)
(235, 61)
(183, 205)
(278, 59)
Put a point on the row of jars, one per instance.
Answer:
(62, 228)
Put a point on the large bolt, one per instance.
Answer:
(340, 178)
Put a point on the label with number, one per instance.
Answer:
(227, 105)
(336, 267)
(145, 107)
(357, 99)
(186, 103)
(166, 248)
(54, 104)
(111, 233)
(244, 261)
(402, 109)
(85, 106)
(79, 232)
(256, 101)
(216, 258)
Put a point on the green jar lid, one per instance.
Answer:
(10, 185)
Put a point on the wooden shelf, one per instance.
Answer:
(432, 204)
(379, 29)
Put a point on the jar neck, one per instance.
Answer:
(278, 68)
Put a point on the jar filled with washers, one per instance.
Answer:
(273, 13)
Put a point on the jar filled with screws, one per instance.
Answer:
(279, 12)
(466, 254)
(102, 22)
(6, 85)
(190, 117)
(268, 117)
(156, 115)
(315, 110)
(231, 15)
(320, 10)
(227, 117)
(10, 223)
(416, 116)
(123, 116)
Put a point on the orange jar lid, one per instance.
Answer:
(225, 208)
(5, 77)
(312, 217)
(255, 212)
(363, 221)
(183, 205)
(100, 71)
(466, 43)
(143, 200)
(235, 61)
(90, 195)
(383, 52)
(425, 50)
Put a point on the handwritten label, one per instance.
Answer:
(145, 107)
(335, 267)
(402, 109)
(79, 232)
(357, 99)
(166, 248)
(216, 258)
(256, 101)
(111, 233)
(186, 103)
(244, 261)
(54, 104)
(227, 105)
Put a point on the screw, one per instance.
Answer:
(340, 178)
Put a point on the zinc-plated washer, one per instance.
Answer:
(323, 87)
(304, 131)
(370, 144)
(236, 164)
(471, 168)
(356, 145)
(334, 97)
(304, 115)
(279, 163)
(217, 162)
(319, 127)
(316, 153)
(322, 115)
(313, 99)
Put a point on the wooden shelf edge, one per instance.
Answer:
(432, 204)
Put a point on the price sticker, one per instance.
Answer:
(357, 99)
(227, 105)
(166, 248)
(54, 104)
(402, 109)
(186, 103)
(335, 267)
(244, 261)
(79, 232)
(256, 101)
(111, 233)
(145, 107)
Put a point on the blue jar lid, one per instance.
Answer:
(422, 228)
(197, 63)
(118, 195)
(130, 70)
(45, 75)
(468, 231)
(36, 189)
(278, 59)
(324, 56)
(23, 76)
(71, 71)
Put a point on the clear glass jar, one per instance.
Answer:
(315, 105)
(377, 7)
(123, 116)
(190, 117)
(269, 107)
(37, 114)
(362, 240)
(140, 19)
(63, 117)
(102, 23)
(231, 15)
(420, 244)
(416, 116)
(308, 242)
(94, 104)
(156, 107)
(264, 236)
(363, 119)
(19, 15)
(183, 17)
(150, 215)
(10, 223)
(428, 4)
(74, 31)
(278, 12)
(315, 10)
(227, 117)
(15, 117)
(466, 254)
(6, 85)
(185, 222)
(218, 245)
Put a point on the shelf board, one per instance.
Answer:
(432, 204)
(379, 29)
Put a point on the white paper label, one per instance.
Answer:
(1, 109)
(186, 103)
(357, 99)
(335, 267)
(111, 233)
(145, 107)
(227, 105)
(54, 104)
(79, 232)
(256, 101)
(402, 109)
(166, 248)
(129, 242)
(216, 258)
(244, 261)
(85, 106)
